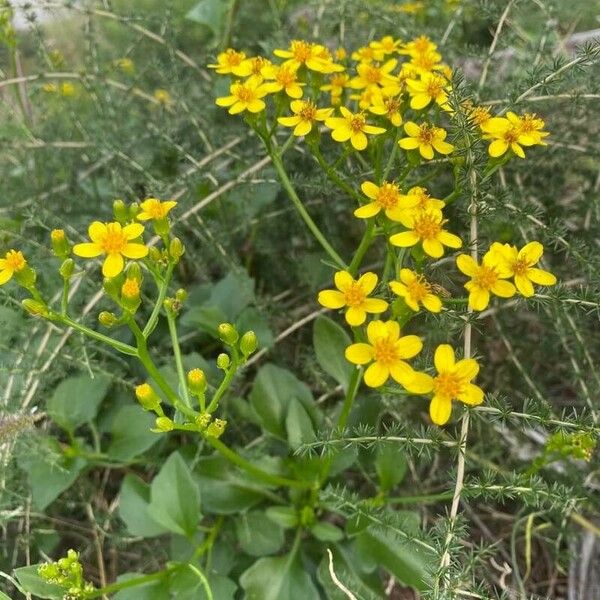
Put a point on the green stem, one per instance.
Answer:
(120, 346)
(162, 293)
(122, 585)
(223, 387)
(178, 361)
(421, 499)
(392, 157)
(289, 188)
(204, 581)
(427, 178)
(228, 30)
(247, 466)
(362, 247)
(64, 302)
(349, 399)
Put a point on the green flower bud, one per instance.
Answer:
(164, 424)
(223, 361)
(197, 381)
(130, 294)
(35, 308)
(112, 287)
(147, 397)
(60, 244)
(202, 420)
(107, 319)
(216, 428)
(228, 333)
(248, 343)
(176, 249)
(161, 226)
(307, 516)
(26, 277)
(181, 295)
(120, 211)
(67, 268)
(154, 254)
(134, 271)
(134, 209)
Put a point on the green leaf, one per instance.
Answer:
(131, 433)
(233, 294)
(285, 516)
(281, 578)
(3, 596)
(327, 532)
(298, 425)
(330, 342)
(185, 585)
(390, 466)
(155, 590)
(31, 582)
(133, 508)
(210, 13)
(252, 318)
(272, 394)
(175, 498)
(49, 472)
(76, 400)
(254, 537)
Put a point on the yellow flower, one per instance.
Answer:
(425, 63)
(365, 98)
(153, 209)
(386, 45)
(411, 8)
(337, 83)
(352, 127)
(245, 96)
(424, 201)
(415, 290)
(426, 227)
(285, 79)
(520, 264)
(385, 197)
(426, 138)
(305, 115)
(232, 62)
(67, 89)
(430, 88)
(372, 75)
(259, 66)
(314, 56)
(479, 115)
(388, 106)
(367, 54)
(386, 351)
(510, 133)
(340, 53)
(163, 97)
(115, 242)
(353, 294)
(420, 45)
(12, 263)
(124, 64)
(453, 382)
(487, 278)
(130, 288)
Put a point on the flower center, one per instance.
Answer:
(114, 241)
(131, 288)
(511, 136)
(373, 75)
(244, 94)
(301, 50)
(388, 196)
(384, 351)
(392, 105)
(233, 58)
(520, 266)
(354, 295)
(339, 80)
(447, 385)
(285, 76)
(486, 277)
(427, 227)
(308, 112)
(14, 261)
(155, 210)
(434, 88)
(426, 134)
(357, 123)
(419, 288)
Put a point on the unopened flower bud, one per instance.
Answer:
(181, 295)
(164, 424)
(60, 244)
(147, 397)
(26, 277)
(35, 308)
(134, 209)
(112, 287)
(176, 249)
(223, 361)
(134, 271)
(107, 319)
(202, 420)
(228, 333)
(67, 268)
(161, 226)
(216, 428)
(154, 254)
(120, 211)
(248, 343)
(130, 294)
(196, 381)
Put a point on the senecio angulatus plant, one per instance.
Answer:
(389, 105)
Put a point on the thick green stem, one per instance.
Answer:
(364, 245)
(120, 346)
(178, 361)
(247, 466)
(123, 585)
(162, 293)
(214, 403)
(349, 399)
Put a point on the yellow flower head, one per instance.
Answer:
(163, 97)
(415, 290)
(353, 294)
(387, 352)
(373, 75)
(245, 96)
(155, 210)
(340, 53)
(365, 98)
(529, 125)
(521, 265)
(232, 62)
(512, 133)
(337, 83)
(386, 45)
(124, 64)
(114, 241)
(285, 79)
(12, 263)
(385, 197)
(259, 65)
(353, 127)
(314, 56)
(453, 382)
(431, 87)
(479, 115)
(425, 227)
(426, 138)
(424, 201)
(388, 106)
(487, 278)
(306, 114)
(420, 45)
(130, 288)
(410, 8)
(425, 63)
(367, 54)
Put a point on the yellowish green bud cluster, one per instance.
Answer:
(67, 573)
(107, 319)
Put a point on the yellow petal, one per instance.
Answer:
(432, 303)
(341, 134)
(467, 368)
(367, 211)
(5, 276)
(443, 147)
(303, 128)
(524, 286)
(376, 374)
(449, 239)
(440, 410)
(367, 282)
(376, 330)
(433, 248)
(444, 358)
(113, 265)
(356, 316)
(132, 231)
(531, 252)
(471, 394)
(419, 101)
(135, 251)
(467, 265)
(392, 330)
(398, 288)
(419, 383)
(479, 299)
(504, 289)
(369, 189)
(359, 354)
(407, 276)
(412, 129)
(541, 277)
(343, 280)
(358, 141)
(404, 239)
(289, 121)
(374, 305)
(409, 346)
(426, 151)
(331, 299)
(87, 250)
(402, 373)
(497, 148)
(408, 143)
(97, 231)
